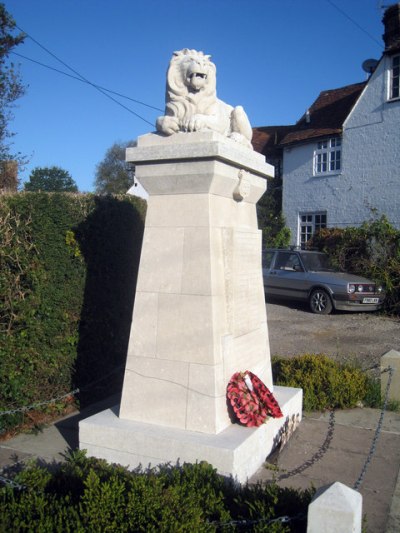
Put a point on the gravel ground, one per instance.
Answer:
(361, 337)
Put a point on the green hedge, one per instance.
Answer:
(372, 250)
(89, 495)
(68, 266)
(326, 384)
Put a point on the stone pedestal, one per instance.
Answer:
(236, 451)
(199, 312)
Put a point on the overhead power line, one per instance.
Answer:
(84, 81)
(355, 23)
(82, 78)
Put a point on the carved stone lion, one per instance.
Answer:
(192, 103)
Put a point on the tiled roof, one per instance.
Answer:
(269, 136)
(326, 117)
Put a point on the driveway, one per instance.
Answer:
(362, 337)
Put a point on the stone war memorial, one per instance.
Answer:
(198, 381)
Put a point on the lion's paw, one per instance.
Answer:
(167, 125)
(195, 123)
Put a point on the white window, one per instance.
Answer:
(310, 223)
(327, 156)
(394, 77)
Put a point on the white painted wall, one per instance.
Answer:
(370, 177)
(137, 189)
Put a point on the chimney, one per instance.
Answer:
(391, 21)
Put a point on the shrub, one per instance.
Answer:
(86, 494)
(326, 384)
(68, 265)
(372, 250)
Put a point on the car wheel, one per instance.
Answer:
(320, 302)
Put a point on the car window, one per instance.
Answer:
(267, 259)
(288, 261)
(316, 261)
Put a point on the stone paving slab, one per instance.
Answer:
(53, 441)
(343, 460)
(8, 456)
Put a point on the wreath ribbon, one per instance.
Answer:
(251, 399)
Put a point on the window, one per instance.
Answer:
(309, 224)
(394, 77)
(327, 156)
(267, 259)
(288, 261)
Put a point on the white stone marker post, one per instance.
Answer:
(199, 313)
(391, 359)
(335, 508)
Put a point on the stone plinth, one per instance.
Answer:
(236, 451)
(199, 313)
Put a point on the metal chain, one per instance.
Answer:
(11, 483)
(243, 522)
(331, 426)
(317, 456)
(377, 431)
(7, 481)
(38, 404)
(58, 398)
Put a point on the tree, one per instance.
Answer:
(113, 174)
(10, 85)
(270, 218)
(50, 179)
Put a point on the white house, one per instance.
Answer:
(340, 163)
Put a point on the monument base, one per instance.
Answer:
(238, 451)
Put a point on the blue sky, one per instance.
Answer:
(273, 57)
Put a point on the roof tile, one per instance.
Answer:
(326, 117)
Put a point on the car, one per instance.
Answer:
(308, 276)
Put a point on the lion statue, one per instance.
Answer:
(192, 103)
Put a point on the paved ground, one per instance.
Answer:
(364, 337)
(353, 337)
(322, 450)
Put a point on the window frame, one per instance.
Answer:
(327, 158)
(316, 221)
(394, 79)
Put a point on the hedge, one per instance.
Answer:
(371, 250)
(68, 267)
(326, 384)
(87, 494)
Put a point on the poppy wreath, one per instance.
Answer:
(251, 400)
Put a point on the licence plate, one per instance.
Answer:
(370, 300)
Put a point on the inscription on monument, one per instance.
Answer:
(246, 282)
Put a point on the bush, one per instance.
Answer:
(275, 234)
(68, 267)
(325, 383)
(372, 250)
(87, 494)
